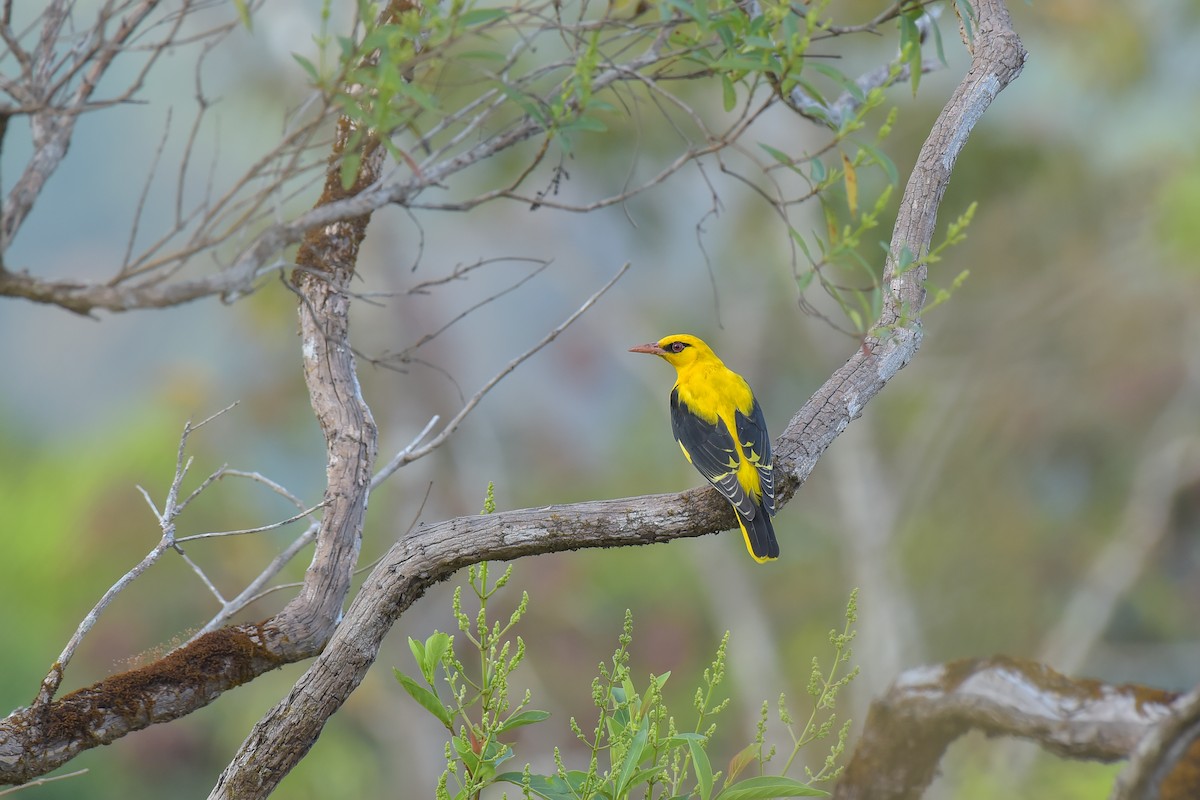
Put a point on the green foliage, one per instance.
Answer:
(478, 710)
(956, 233)
(489, 499)
(434, 78)
(636, 748)
(966, 15)
(836, 260)
(824, 685)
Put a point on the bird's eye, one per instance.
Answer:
(676, 347)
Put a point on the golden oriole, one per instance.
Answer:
(720, 428)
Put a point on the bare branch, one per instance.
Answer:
(242, 531)
(202, 575)
(54, 678)
(53, 128)
(437, 441)
(872, 25)
(399, 459)
(166, 520)
(428, 337)
(910, 727)
(265, 481)
(255, 589)
(42, 781)
(460, 139)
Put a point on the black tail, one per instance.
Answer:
(759, 535)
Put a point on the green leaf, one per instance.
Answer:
(308, 67)
(766, 787)
(734, 63)
(418, 651)
(966, 15)
(349, 171)
(817, 166)
(686, 8)
(523, 718)
(550, 787)
(937, 42)
(725, 34)
(633, 757)
(428, 700)
(728, 93)
(804, 279)
(436, 647)
(644, 776)
(479, 16)
(464, 747)
(841, 80)
(496, 753)
(243, 12)
(879, 157)
(700, 763)
(910, 46)
(585, 123)
(778, 155)
(526, 103)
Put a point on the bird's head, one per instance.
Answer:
(680, 350)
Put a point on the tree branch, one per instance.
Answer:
(927, 708)
(1165, 765)
(996, 62)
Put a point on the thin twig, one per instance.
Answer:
(399, 459)
(166, 521)
(43, 781)
(247, 597)
(453, 424)
(265, 481)
(242, 531)
(253, 590)
(200, 573)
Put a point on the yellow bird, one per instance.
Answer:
(720, 428)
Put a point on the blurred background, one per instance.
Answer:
(1048, 421)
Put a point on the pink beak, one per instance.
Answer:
(652, 348)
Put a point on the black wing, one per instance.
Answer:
(713, 451)
(756, 444)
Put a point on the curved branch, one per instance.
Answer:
(997, 60)
(1165, 765)
(927, 708)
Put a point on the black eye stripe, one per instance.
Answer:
(676, 347)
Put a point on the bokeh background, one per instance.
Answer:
(1048, 415)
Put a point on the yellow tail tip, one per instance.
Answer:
(769, 542)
